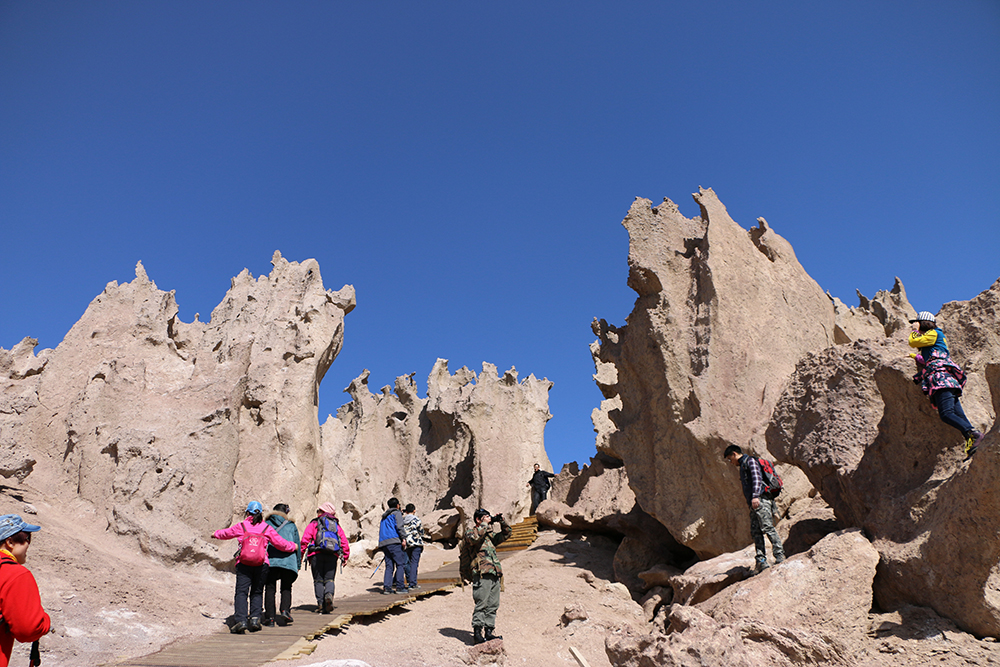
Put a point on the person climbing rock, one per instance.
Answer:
(941, 378)
(762, 507)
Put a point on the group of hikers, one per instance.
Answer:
(271, 553)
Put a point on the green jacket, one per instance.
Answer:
(482, 542)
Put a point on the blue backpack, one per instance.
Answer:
(326, 538)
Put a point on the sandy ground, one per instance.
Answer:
(109, 602)
(539, 584)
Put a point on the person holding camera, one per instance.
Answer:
(487, 575)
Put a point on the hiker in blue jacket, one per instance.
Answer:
(392, 543)
(762, 507)
(284, 568)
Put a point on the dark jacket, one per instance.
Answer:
(390, 529)
(540, 480)
(751, 478)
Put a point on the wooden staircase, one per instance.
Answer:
(523, 536)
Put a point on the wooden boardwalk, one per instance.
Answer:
(223, 649)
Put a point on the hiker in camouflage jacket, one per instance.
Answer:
(487, 573)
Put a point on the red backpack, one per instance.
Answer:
(772, 483)
(253, 547)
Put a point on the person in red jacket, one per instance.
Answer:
(20, 605)
(252, 565)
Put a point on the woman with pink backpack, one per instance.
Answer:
(251, 564)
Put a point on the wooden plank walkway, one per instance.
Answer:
(223, 649)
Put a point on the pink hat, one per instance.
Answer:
(328, 508)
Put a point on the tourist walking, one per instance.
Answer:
(283, 570)
(254, 536)
(326, 547)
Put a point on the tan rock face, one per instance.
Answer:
(471, 443)
(875, 449)
(722, 316)
(170, 428)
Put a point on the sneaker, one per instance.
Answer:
(414, 586)
(779, 559)
(386, 591)
(283, 619)
(268, 622)
(238, 628)
(760, 566)
(972, 444)
(253, 625)
(328, 603)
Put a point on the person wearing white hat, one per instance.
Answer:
(20, 604)
(941, 378)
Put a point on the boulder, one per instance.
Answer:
(722, 316)
(170, 428)
(810, 610)
(876, 451)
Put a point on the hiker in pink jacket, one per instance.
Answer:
(251, 564)
(324, 545)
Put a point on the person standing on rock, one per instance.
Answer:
(21, 610)
(251, 565)
(941, 378)
(413, 528)
(325, 545)
(392, 542)
(540, 485)
(762, 507)
(284, 568)
(487, 575)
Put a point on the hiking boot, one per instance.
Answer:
(760, 566)
(253, 625)
(477, 635)
(779, 559)
(489, 636)
(972, 444)
(328, 603)
(238, 628)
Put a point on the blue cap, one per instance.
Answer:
(253, 507)
(11, 524)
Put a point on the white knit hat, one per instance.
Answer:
(924, 316)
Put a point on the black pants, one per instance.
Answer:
(324, 569)
(286, 577)
(537, 496)
(250, 579)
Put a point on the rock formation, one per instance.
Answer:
(471, 443)
(170, 428)
(723, 314)
(875, 449)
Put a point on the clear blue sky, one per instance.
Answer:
(466, 165)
